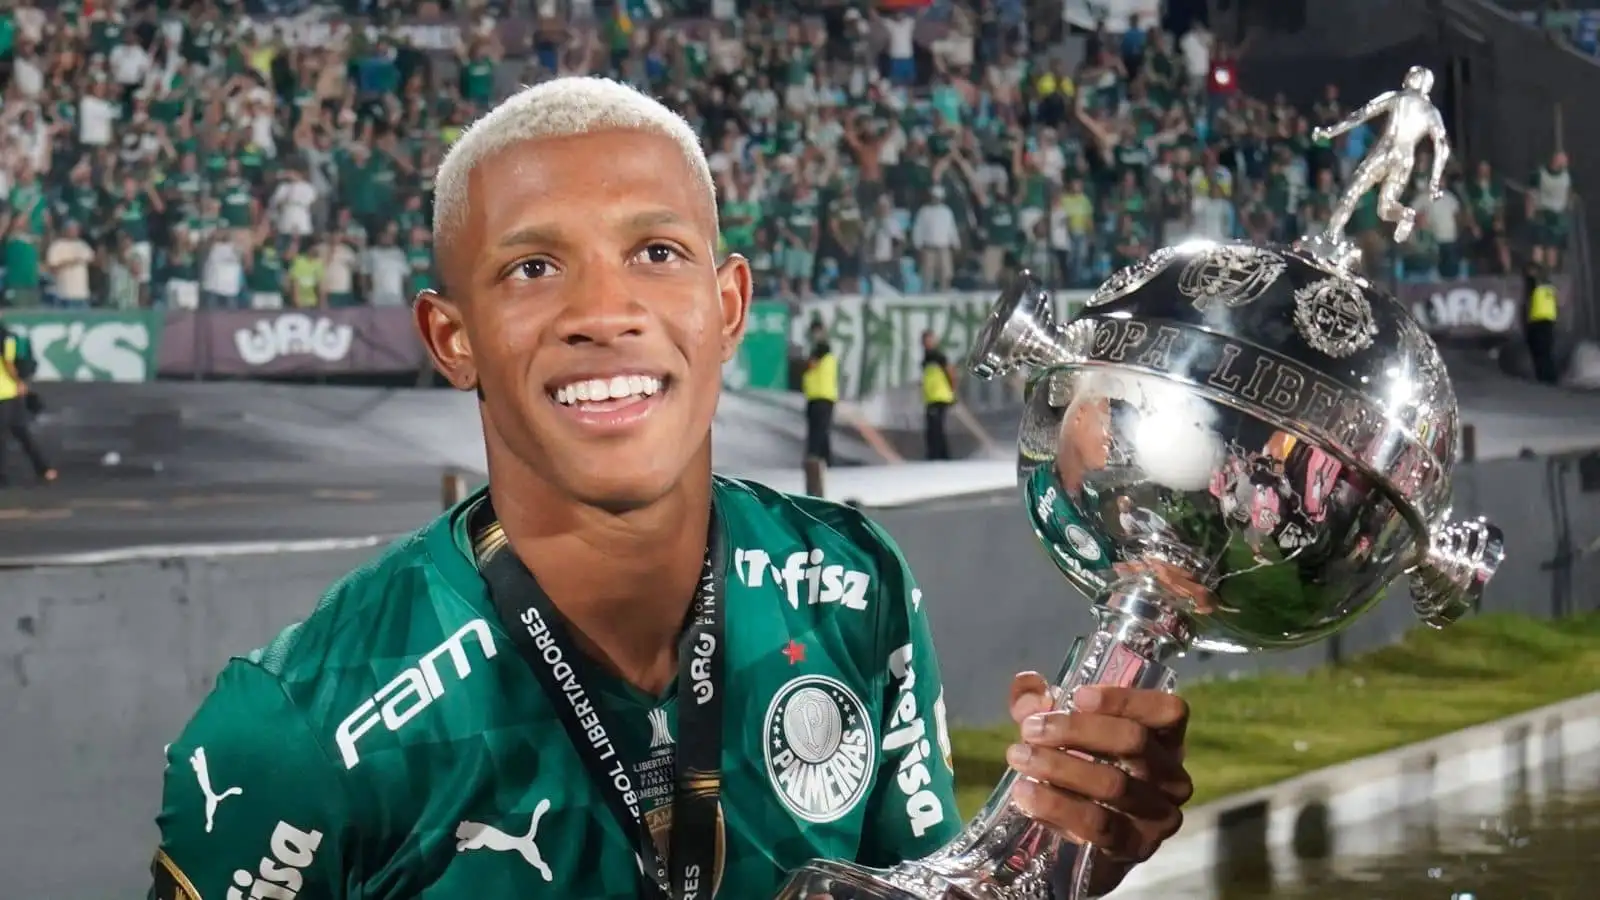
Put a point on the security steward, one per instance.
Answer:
(16, 418)
(938, 395)
(820, 384)
(1540, 326)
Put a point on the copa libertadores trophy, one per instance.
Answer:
(1232, 448)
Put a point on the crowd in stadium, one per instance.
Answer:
(182, 154)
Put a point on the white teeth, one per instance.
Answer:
(618, 387)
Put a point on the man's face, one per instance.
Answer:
(586, 262)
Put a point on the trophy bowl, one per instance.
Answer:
(1264, 438)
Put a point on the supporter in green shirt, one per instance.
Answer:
(132, 208)
(21, 258)
(477, 62)
(419, 253)
(412, 214)
(265, 277)
(740, 217)
(27, 201)
(239, 205)
(185, 187)
(1131, 243)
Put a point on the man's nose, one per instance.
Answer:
(601, 310)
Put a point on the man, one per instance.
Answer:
(1540, 327)
(938, 394)
(1549, 209)
(820, 385)
(15, 416)
(698, 681)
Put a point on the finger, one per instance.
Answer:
(1030, 694)
(1100, 782)
(1087, 732)
(1156, 710)
(1162, 766)
(1077, 819)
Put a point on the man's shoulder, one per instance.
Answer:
(824, 552)
(762, 506)
(379, 617)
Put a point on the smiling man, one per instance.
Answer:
(612, 674)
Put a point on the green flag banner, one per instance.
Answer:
(90, 345)
(762, 362)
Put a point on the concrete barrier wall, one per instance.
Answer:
(100, 666)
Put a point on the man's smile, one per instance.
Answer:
(607, 402)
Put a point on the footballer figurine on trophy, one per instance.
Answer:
(1234, 448)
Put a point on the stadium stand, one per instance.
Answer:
(216, 154)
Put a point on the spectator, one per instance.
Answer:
(1444, 215)
(386, 270)
(1549, 206)
(68, 260)
(205, 135)
(937, 238)
(1487, 220)
(16, 410)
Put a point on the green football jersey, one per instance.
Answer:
(395, 744)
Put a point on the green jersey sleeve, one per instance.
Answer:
(912, 810)
(250, 807)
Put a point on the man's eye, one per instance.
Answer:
(531, 269)
(661, 253)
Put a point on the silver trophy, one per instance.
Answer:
(1233, 448)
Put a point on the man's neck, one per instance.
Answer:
(623, 582)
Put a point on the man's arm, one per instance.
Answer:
(912, 810)
(251, 805)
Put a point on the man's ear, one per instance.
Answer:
(734, 289)
(438, 320)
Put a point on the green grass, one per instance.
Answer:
(1258, 731)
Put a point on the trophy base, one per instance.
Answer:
(823, 879)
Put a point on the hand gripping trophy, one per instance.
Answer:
(1388, 166)
(1234, 448)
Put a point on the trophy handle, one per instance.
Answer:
(1461, 558)
(1021, 331)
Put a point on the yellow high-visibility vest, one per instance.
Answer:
(821, 379)
(9, 389)
(1542, 304)
(936, 386)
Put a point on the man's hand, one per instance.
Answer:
(1125, 810)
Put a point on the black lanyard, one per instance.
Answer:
(542, 637)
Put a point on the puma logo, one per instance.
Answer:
(203, 775)
(476, 836)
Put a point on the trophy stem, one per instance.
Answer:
(1002, 854)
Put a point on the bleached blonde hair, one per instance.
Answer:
(561, 107)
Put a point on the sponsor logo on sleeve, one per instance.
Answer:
(907, 733)
(806, 578)
(213, 797)
(819, 748)
(281, 875)
(414, 690)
